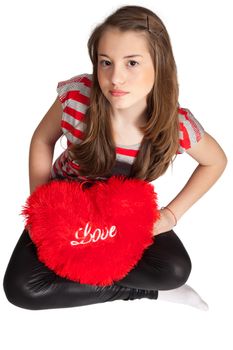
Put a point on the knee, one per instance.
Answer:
(180, 270)
(18, 293)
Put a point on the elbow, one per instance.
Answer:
(220, 166)
(225, 159)
(223, 162)
(216, 168)
(219, 162)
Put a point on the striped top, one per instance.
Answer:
(74, 95)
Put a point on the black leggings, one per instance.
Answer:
(29, 284)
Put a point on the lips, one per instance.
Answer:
(118, 92)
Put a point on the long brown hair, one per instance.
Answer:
(96, 154)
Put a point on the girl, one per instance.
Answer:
(124, 118)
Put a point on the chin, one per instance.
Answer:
(120, 105)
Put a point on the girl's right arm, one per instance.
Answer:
(42, 145)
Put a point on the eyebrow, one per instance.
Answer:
(129, 56)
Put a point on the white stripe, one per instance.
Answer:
(78, 106)
(78, 124)
(75, 86)
(124, 158)
(70, 137)
(189, 128)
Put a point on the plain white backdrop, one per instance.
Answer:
(43, 42)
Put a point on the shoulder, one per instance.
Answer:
(74, 94)
(71, 87)
(190, 129)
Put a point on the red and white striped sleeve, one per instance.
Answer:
(191, 130)
(74, 95)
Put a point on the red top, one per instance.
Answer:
(74, 95)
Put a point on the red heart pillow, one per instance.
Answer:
(94, 235)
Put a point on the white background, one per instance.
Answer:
(43, 42)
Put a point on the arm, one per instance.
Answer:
(42, 145)
(212, 162)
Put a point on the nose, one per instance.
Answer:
(118, 76)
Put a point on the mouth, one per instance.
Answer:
(118, 93)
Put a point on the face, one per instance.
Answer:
(116, 71)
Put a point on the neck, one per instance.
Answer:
(132, 117)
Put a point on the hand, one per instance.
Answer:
(165, 222)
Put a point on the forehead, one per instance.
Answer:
(130, 41)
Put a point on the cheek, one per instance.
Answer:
(101, 79)
(148, 80)
(103, 85)
(99, 74)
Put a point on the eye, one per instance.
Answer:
(134, 64)
(103, 61)
(108, 63)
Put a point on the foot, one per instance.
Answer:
(183, 295)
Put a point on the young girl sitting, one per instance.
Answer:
(124, 118)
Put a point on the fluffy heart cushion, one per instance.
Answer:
(94, 235)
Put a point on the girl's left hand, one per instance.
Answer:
(165, 222)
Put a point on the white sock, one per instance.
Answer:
(183, 295)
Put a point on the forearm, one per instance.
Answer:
(201, 180)
(40, 162)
